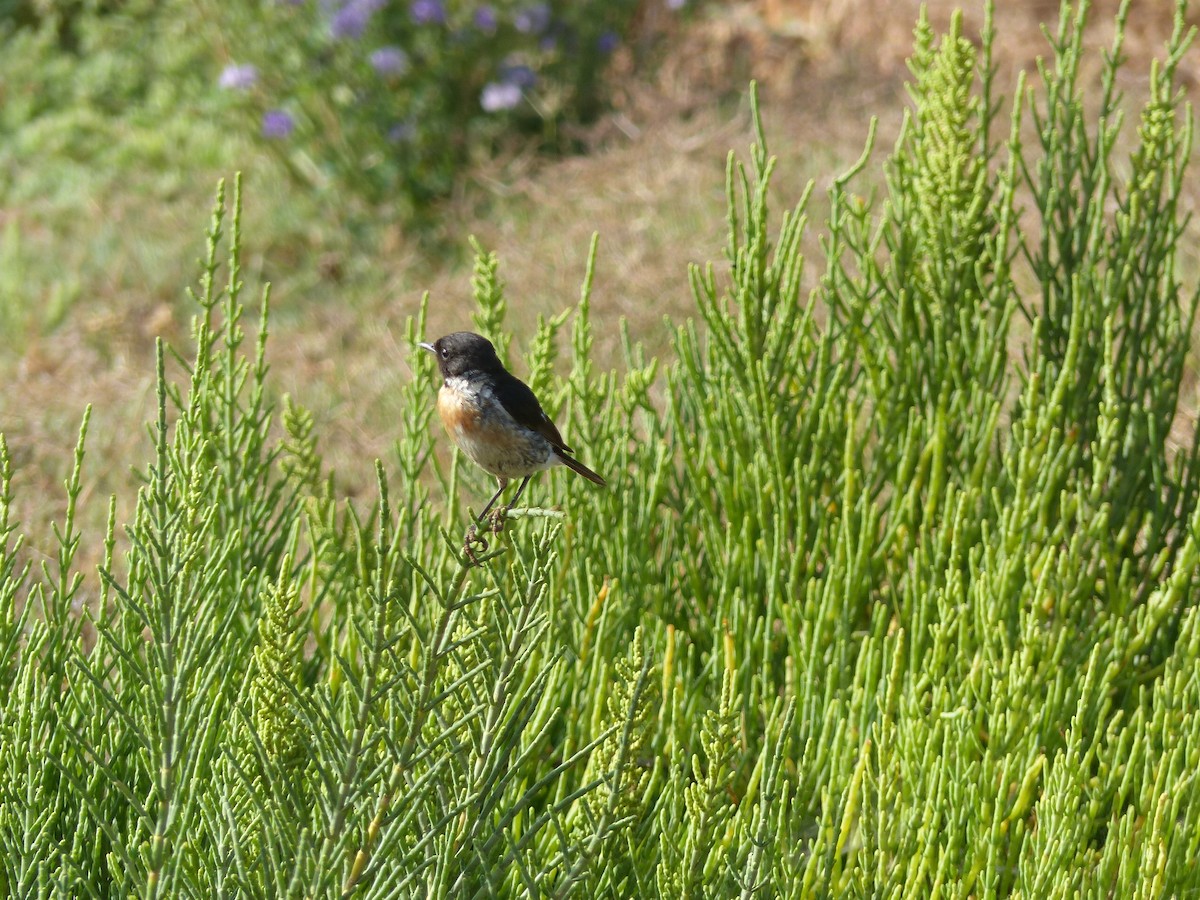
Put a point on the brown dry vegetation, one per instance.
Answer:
(653, 188)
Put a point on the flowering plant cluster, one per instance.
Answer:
(391, 97)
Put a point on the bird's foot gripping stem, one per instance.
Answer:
(474, 544)
(497, 519)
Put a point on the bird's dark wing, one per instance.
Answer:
(516, 397)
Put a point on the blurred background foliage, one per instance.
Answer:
(379, 98)
(117, 117)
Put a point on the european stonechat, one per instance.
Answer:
(494, 417)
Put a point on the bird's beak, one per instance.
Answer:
(425, 346)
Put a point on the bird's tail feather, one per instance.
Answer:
(576, 466)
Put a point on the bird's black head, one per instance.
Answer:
(463, 353)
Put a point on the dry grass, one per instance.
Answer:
(653, 188)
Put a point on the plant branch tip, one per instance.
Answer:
(535, 512)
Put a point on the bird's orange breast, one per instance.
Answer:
(486, 433)
(457, 411)
(468, 422)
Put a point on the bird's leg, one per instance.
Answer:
(517, 495)
(502, 512)
(495, 497)
(473, 532)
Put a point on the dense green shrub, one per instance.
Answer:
(96, 95)
(871, 607)
(95, 61)
(385, 99)
(391, 97)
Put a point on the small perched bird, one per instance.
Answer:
(494, 417)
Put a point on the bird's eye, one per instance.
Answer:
(445, 353)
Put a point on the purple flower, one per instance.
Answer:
(518, 75)
(427, 12)
(389, 61)
(607, 42)
(499, 95)
(352, 19)
(402, 132)
(236, 77)
(532, 19)
(676, 4)
(485, 19)
(277, 124)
